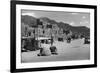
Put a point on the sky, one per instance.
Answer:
(72, 18)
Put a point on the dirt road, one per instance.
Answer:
(75, 50)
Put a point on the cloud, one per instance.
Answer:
(83, 17)
(72, 23)
(81, 22)
(84, 22)
(74, 13)
(30, 14)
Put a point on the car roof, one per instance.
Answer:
(42, 38)
(26, 37)
(38, 38)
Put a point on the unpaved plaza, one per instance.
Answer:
(76, 50)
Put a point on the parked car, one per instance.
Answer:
(87, 40)
(60, 39)
(68, 40)
(53, 50)
(46, 49)
(29, 44)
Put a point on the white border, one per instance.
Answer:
(20, 65)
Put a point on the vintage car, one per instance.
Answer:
(46, 47)
(29, 44)
(60, 39)
(87, 40)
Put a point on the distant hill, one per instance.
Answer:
(75, 29)
(48, 20)
(65, 26)
(31, 21)
(28, 20)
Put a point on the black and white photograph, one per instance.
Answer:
(52, 36)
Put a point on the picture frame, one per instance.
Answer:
(16, 8)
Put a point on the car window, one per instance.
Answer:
(42, 41)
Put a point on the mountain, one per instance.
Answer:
(65, 26)
(28, 20)
(31, 21)
(45, 19)
(75, 29)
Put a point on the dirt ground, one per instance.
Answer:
(76, 50)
